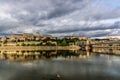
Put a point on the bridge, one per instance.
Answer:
(106, 42)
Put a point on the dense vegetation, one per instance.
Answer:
(47, 42)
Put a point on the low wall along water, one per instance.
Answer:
(7, 48)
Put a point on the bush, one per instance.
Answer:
(17, 45)
(27, 44)
(23, 44)
(33, 45)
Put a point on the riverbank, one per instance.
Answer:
(9, 48)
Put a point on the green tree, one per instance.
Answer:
(64, 43)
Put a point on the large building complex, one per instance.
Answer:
(24, 37)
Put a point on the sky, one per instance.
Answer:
(92, 18)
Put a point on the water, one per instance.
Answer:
(59, 65)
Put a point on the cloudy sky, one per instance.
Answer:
(93, 18)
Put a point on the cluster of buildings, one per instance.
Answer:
(24, 37)
(29, 38)
(34, 37)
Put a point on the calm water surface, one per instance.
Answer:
(60, 65)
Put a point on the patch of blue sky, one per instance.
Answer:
(108, 3)
(111, 3)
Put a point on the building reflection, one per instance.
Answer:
(37, 55)
(106, 51)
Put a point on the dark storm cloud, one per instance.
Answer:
(32, 13)
(7, 25)
(58, 16)
(98, 33)
(62, 8)
(116, 25)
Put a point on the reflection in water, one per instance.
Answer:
(37, 55)
(106, 51)
(58, 65)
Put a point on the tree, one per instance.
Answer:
(23, 44)
(17, 45)
(64, 43)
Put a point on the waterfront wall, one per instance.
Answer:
(8, 48)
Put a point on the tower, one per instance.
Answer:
(37, 34)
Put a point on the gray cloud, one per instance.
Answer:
(78, 17)
(100, 30)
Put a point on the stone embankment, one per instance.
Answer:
(9, 48)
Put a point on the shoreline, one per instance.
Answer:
(9, 48)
